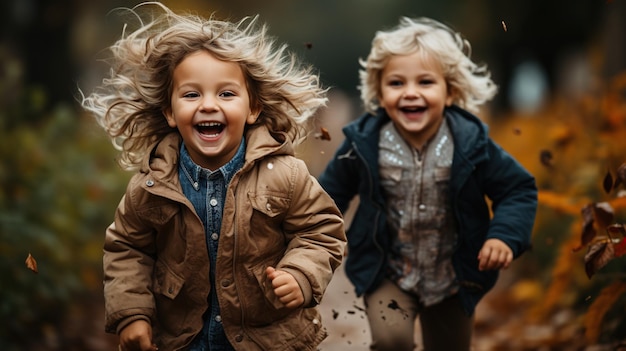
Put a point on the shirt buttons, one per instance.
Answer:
(214, 236)
(213, 202)
(218, 318)
(422, 207)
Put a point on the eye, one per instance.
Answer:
(227, 93)
(395, 83)
(191, 95)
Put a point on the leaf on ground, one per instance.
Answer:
(31, 263)
(598, 309)
(597, 256)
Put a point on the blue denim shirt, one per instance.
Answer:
(206, 190)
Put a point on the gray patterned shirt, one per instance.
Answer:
(419, 213)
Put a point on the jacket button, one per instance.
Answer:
(239, 338)
(149, 182)
(170, 290)
(225, 282)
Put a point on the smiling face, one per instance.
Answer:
(414, 92)
(210, 106)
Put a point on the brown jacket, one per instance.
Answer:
(156, 262)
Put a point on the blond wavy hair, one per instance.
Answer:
(469, 83)
(129, 103)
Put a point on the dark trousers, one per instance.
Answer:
(392, 313)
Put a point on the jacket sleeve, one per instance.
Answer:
(128, 260)
(340, 178)
(315, 234)
(513, 193)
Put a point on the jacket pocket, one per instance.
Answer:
(271, 205)
(166, 282)
(159, 211)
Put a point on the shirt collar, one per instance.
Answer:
(194, 172)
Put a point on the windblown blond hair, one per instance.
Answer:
(469, 83)
(129, 103)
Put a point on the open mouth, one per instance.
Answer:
(210, 129)
(413, 109)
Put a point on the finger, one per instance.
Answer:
(483, 258)
(269, 271)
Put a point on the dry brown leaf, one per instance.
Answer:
(604, 214)
(31, 263)
(589, 230)
(597, 256)
(546, 158)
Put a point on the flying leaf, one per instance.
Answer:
(308, 45)
(588, 231)
(619, 247)
(31, 263)
(597, 256)
(607, 183)
(603, 214)
(546, 158)
(615, 229)
(504, 26)
(323, 134)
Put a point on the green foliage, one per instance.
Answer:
(59, 185)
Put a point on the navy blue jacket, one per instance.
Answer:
(480, 168)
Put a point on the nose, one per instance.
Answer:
(411, 91)
(208, 104)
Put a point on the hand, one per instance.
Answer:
(137, 336)
(495, 254)
(285, 287)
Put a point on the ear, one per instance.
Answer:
(169, 116)
(255, 112)
(451, 95)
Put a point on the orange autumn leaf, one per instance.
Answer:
(31, 263)
(323, 134)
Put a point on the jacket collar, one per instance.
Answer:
(260, 142)
(469, 132)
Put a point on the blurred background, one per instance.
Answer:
(561, 110)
